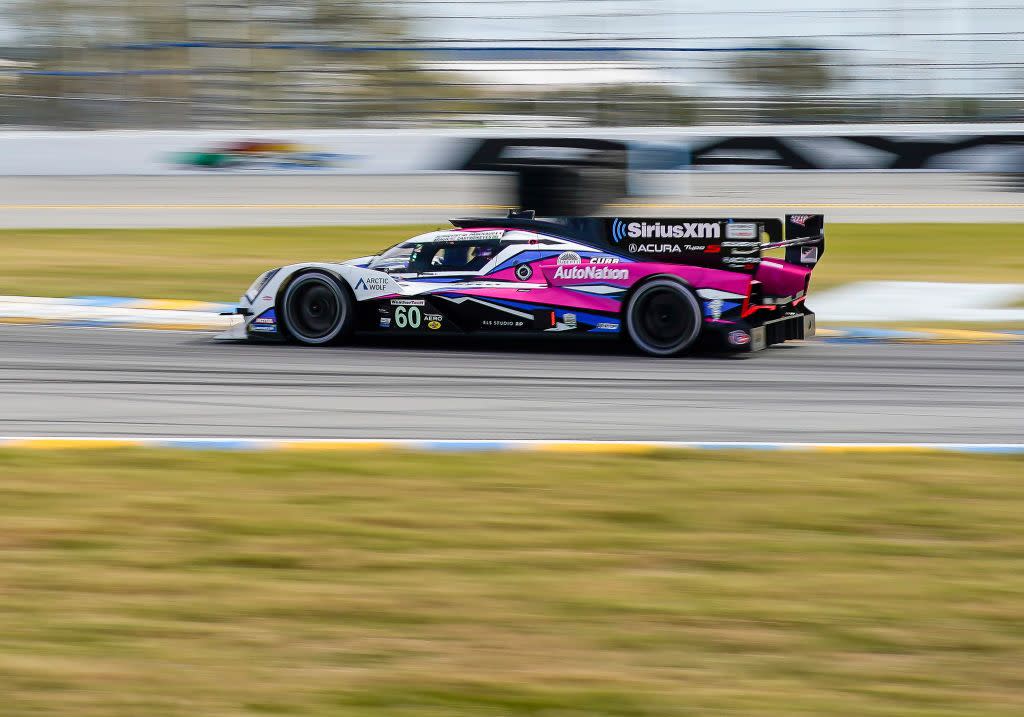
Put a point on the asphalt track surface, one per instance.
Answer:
(121, 382)
(214, 200)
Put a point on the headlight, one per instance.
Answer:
(257, 286)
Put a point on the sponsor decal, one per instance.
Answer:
(433, 325)
(265, 322)
(604, 260)
(739, 338)
(715, 307)
(740, 260)
(569, 320)
(654, 248)
(660, 230)
(740, 230)
(524, 272)
(618, 230)
(808, 254)
(385, 322)
(431, 317)
(713, 249)
(502, 323)
(589, 271)
(407, 302)
(742, 247)
(569, 257)
(608, 326)
(408, 317)
(800, 219)
(491, 235)
(372, 283)
(255, 155)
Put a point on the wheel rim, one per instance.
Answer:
(315, 312)
(664, 320)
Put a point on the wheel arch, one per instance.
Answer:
(647, 280)
(687, 286)
(282, 289)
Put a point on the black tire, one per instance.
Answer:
(317, 309)
(663, 318)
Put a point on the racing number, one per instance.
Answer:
(410, 316)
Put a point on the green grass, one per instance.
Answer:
(217, 264)
(205, 264)
(922, 252)
(149, 583)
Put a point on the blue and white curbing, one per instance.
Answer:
(114, 311)
(479, 446)
(186, 315)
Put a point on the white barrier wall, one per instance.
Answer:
(402, 151)
(157, 153)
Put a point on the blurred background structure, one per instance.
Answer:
(125, 64)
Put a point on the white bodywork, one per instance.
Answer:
(370, 284)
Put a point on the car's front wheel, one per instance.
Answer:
(663, 318)
(318, 309)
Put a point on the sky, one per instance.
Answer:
(919, 46)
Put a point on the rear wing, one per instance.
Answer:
(805, 238)
(716, 243)
(733, 244)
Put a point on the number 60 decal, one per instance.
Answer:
(410, 316)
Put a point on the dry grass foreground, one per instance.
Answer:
(140, 582)
(218, 264)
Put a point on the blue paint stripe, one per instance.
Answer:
(111, 301)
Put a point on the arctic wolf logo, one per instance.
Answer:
(372, 283)
(659, 230)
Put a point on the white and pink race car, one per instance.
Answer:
(665, 284)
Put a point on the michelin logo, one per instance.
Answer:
(590, 271)
(657, 230)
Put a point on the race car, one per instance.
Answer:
(667, 285)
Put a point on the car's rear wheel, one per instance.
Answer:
(318, 310)
(663, 318)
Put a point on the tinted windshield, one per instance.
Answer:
(460, 256)
(397, 258)
(445, 256)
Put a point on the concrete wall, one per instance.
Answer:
(946, 147)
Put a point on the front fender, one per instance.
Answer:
(260, 311)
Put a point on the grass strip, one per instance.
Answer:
(217, 264)
(175, 584)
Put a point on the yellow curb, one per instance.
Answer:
(72, 443)
(23, 320)
(173, 304)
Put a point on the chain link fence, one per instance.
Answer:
(114, 64)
